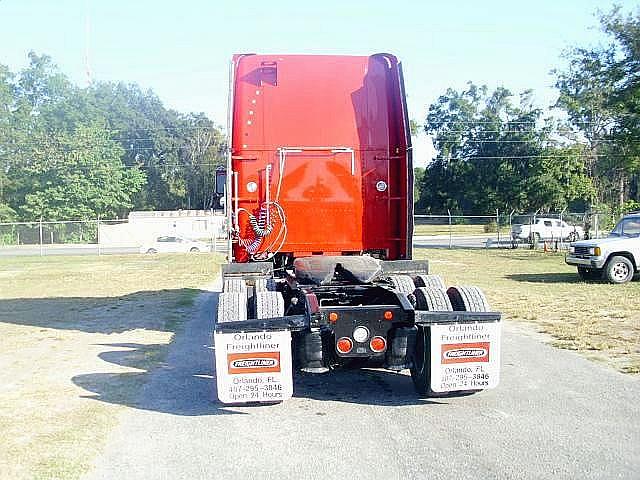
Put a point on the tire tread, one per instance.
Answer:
(435, 281)
(402, 283)
(432, 299)
(269, 304)
(232, 307)
(468, 298)
(234, 285)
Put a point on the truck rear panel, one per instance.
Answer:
(319, 159)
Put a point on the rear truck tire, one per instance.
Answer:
(432, 299)
(618, 269)
(420, 367)
(265, 285)
(235, 285)
(269, 304)
(402, 283)
(151, 251)
(194, 250)
(309, 352)
(463, 298)
(589, 273)
(429, 281)
(232, 307)
(468, 299)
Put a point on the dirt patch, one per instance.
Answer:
(109, 319)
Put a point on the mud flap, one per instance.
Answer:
(464, 356)
(253, 366)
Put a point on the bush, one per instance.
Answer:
(491, 227)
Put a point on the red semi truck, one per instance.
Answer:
(319, 204)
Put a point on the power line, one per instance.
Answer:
(524, 157)
(631, 140)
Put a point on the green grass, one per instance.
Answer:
(104, 276)
(57, 316)
(600, 320)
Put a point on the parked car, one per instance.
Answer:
(615, 258)
(174, 244)
(547, 229)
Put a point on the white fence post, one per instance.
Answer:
(450, 233)
(561, 235)
(214, 232)
(98, 236)
(41, 247)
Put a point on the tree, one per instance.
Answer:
(493, 154)
(41, 111)
(79, 176)
(600, 91)
(179, 152)
(7, 96)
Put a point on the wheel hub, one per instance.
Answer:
(620, 271)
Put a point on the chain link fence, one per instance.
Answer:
(510, 230)
(139, 235)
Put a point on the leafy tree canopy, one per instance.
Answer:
(79, 175)
(70, 152)
(496, 153)
(600, 92)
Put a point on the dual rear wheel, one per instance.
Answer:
(237, 297)
(458, 298)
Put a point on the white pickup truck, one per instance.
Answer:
(546, 229)
(615, 258)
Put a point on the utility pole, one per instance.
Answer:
(87, 63)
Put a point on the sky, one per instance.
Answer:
(181, 50)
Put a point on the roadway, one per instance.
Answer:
(437, 241)
(554, 415)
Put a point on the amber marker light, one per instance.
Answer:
(333, 317)
(378, 344)
(344, 345)
(388, 315)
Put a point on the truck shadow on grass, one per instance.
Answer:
(161, 386)
(176, 378)
(155, 378)
(562, 277)
(150, 310)
(180, 379)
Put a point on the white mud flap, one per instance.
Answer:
(253, 366)
(465, 356)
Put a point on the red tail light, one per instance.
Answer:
(344, 345)
(333, 317)
(388, 315)
(378, 344)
